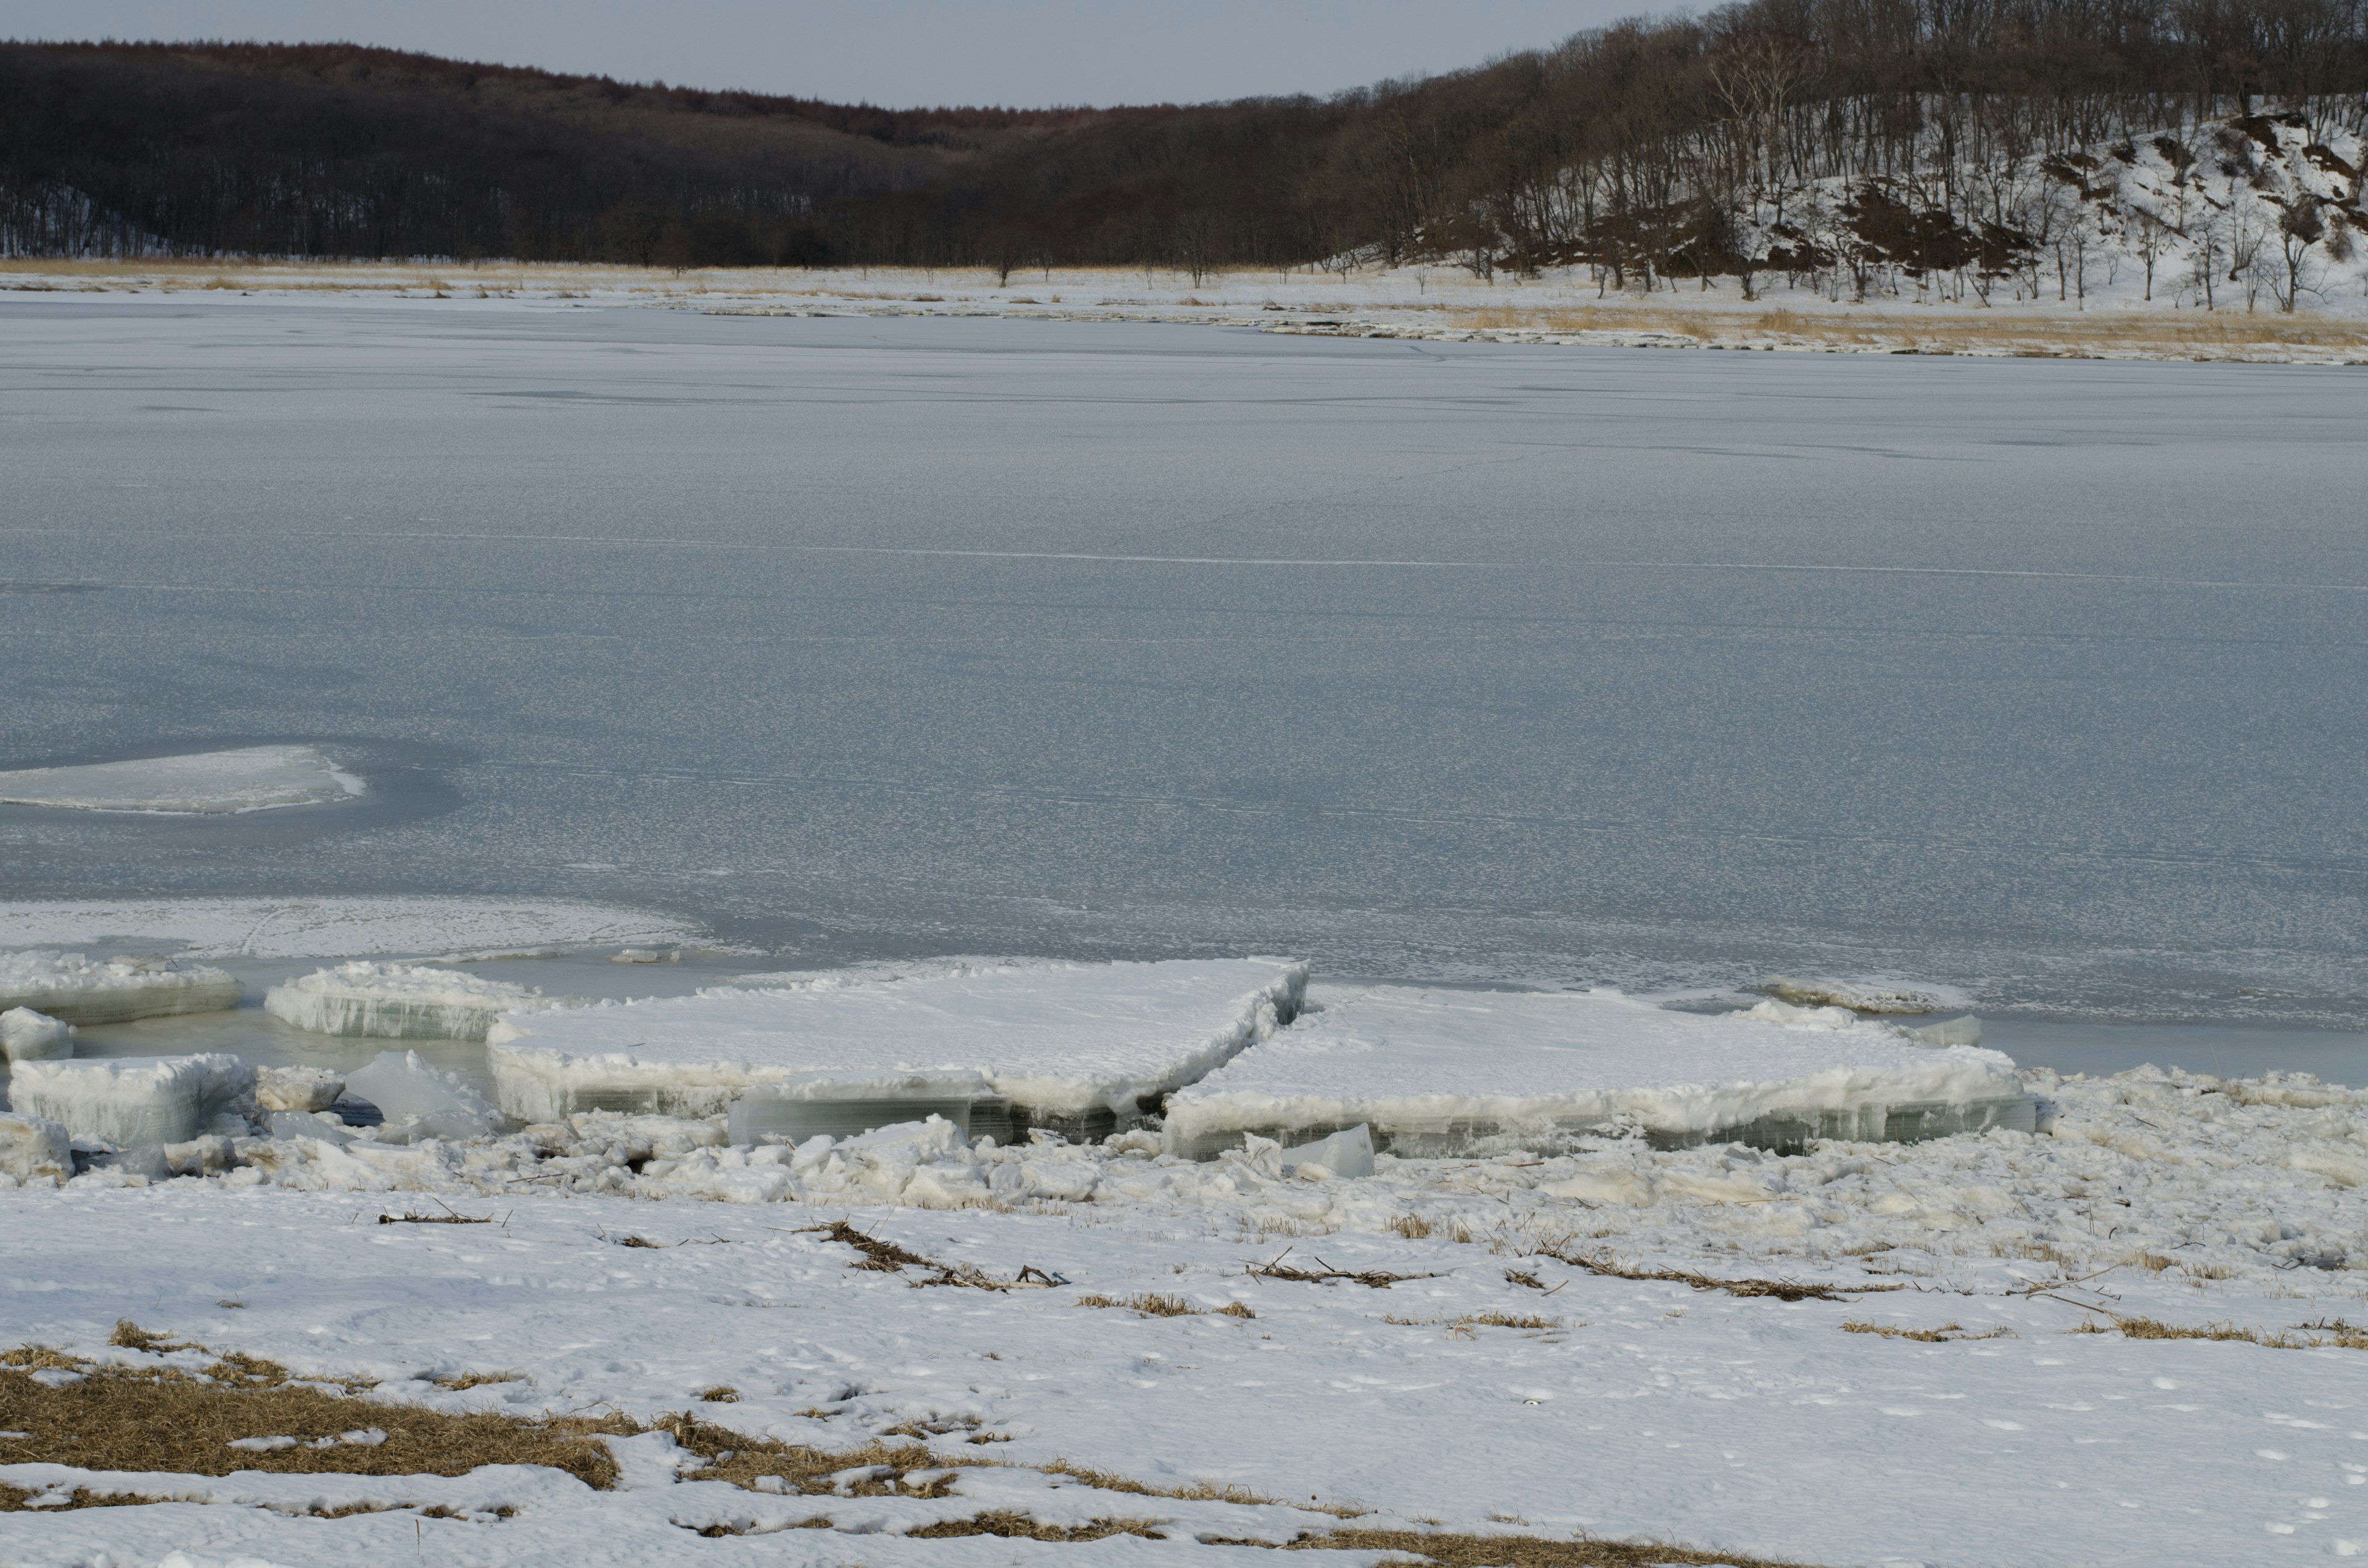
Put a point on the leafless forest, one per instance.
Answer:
(1859, 142)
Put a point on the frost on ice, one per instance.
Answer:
(135, 1101)
(1451, 1072)
(396, 1000)
(1080, 1047)
(413, 1096)
(251, 779)
(77, 989)
(28, 1036)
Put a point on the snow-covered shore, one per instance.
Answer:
(1630, 1405)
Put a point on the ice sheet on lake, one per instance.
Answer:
(396, 1000)
(251, 779)
(29, 1036)
(133, 1101)
(1082, 1043)
(336, 926)
(82, 990)
(1441, 1072)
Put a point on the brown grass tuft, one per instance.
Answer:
(1945, 1334)
(1449, 1549)
(720, 1394)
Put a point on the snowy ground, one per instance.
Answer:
(1428, 304)
(1634, 1408)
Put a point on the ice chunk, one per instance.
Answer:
(1081, 1047)
(28, 1036)
(296, 1088)
(133, 1101)
(1966, 1030)
(417, 1098)
(778, 1111)
(303, 1124)
(251, 779)
(1445, 1072)
(1347, 1154)
(77, 989)
(396, 1000)
(1880, 994)
(33, 1146)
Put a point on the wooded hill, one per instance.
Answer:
(1942, 132)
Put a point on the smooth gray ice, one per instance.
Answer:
(1466, 662)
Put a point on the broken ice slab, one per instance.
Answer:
(77, 989)
(33, 1147)
(411, 1095)
(396, 1000)
(250, 778)
(777, 1112)
(133, 1101)
(28, 1036)
(1080, 1048)
(1347, 1154)
(1456, 1072)
(296, 1088)
(1879, 994)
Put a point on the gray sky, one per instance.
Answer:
(897, 52)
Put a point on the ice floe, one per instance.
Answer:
(418, 1100)
(339, 927)
(29, 1036)
(1085, 1046)
(1868, 995)
(250, 778)
(135, 1101)
(79, 989)
(396, 1000)
(1445, 1072)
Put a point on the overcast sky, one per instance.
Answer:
(895, 52)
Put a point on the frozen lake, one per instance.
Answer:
(1543, 665)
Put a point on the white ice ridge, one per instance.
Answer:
(1059, 1040)
(78, 989)
(134, 1101)
(1441, 1072)
(339, 926)
(251, 779)
(396, 1000)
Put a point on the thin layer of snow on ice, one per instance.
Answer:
(1433, 1071)
(337, 926)
(250, 778)
(1058, 1038)
(1521, 1323)
(396, 1000)
(79, 989)
(134, 1101)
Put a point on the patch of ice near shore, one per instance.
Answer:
(396, 1000)
(29, 1036)
(1444, 1072)
(1877, 994)
(79, 989)
(1064, 1042)
(135, 1101)
(251, 779)
(420, 1100)
(336, 927)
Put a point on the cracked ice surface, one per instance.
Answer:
(1702, 1417)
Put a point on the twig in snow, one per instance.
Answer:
(1372, 1279)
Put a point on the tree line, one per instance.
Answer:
(1650, 150)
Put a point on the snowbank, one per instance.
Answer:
(396, 1000)
(1450, 1071)
(28, 1036)
(80, 989)
(133, 1101)
(252, 778)
(1078, 1046)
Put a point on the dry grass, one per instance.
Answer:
(2332, 1334)
(1449, 1549)
(1325, 1274)
(1782, 1290)
(1155, 1306)
(1943, 1334)
(1413, 1227)
(1505, 1320)
(887, 1257)
(720, 1394)
(465, 1381)
(1198, 1491)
